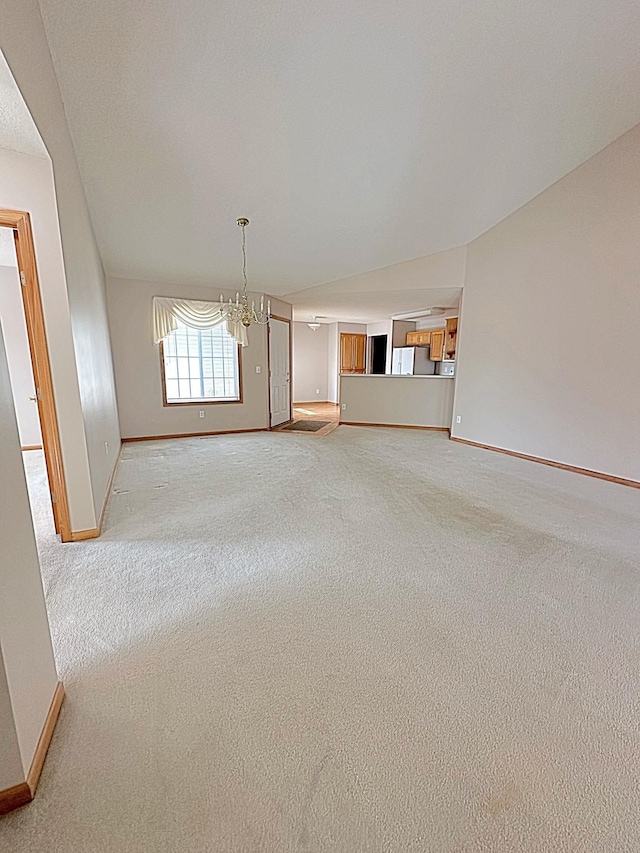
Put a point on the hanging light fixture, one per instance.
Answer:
(240, 311)
(315, 325)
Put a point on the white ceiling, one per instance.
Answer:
(370, 306)
(353, 135)
(17, 129)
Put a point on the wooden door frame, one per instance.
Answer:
(20, 222)
(282, 320)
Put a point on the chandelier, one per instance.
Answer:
(240, 311)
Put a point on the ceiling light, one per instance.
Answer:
(422, 312)
(240, 311)
(313, 326)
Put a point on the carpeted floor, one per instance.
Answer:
(382, 641)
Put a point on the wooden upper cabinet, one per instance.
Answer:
(353, 352)
(437, 344)
(418, 339)
(450, 338)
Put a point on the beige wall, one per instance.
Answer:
(333, 363)
(549, 355)
(24, 45)
(26, 183)
(11, 771)
(403, 400)
(16, 341)
(137, 367)
(25, 641)
(310, 363)
(384, 327)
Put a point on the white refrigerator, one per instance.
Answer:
(412, 361)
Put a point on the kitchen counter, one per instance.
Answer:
(396, 400)
(393, 376)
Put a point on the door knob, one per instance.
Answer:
(34, 399)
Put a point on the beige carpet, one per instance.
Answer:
(382, 641)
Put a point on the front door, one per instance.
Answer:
(280, 372)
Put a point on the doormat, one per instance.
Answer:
(307, 426)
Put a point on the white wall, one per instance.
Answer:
(384, 327)
(24, 45)
(333, 363)
(16, 341)
(25, 640)
(137, 366)
(26, 183)
(310, 363)
(11, 771)
(397, 400)
(549, 351)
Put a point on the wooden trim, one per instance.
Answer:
(193, 434)
(20, 222)
(15, 797)
(610, 478)
(22, 794)
(282, 320)
(33, 776)
(171, 405)
(81, 535)
(393, 426)
(314, 403)
(31, 447)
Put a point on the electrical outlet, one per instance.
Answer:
(344, 407)
(258, 368)
(106, 448)
(317, 390)
(201, 413)
(458, 419)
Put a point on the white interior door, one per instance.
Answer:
(280, 378)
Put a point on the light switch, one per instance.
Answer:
(258, 368)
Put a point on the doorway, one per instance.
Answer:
(379, 354)
(18, 224)
(279, 332)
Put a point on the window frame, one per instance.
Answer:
(204, 402)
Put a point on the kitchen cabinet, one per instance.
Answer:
(450, 338)
(353, 349)
(419, 339)
(437, 344)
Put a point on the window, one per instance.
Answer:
(200, 366)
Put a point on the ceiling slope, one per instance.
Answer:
(353, 135)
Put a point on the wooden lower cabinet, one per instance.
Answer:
(353, 353)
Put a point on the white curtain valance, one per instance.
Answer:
(193, 313)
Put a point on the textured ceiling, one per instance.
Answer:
(17, 129)
(353, 135)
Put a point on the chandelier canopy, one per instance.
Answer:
(240, 311)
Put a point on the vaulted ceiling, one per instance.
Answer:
(353, 135)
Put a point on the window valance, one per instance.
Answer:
(193, 313)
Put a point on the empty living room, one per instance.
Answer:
(319, 427)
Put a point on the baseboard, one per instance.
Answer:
(313, 403)
(81, 535)
(393, 426)
(19, 795)
(31, 447)
(193, 434)
(610, 478)
(14, 798)
(107, 493)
